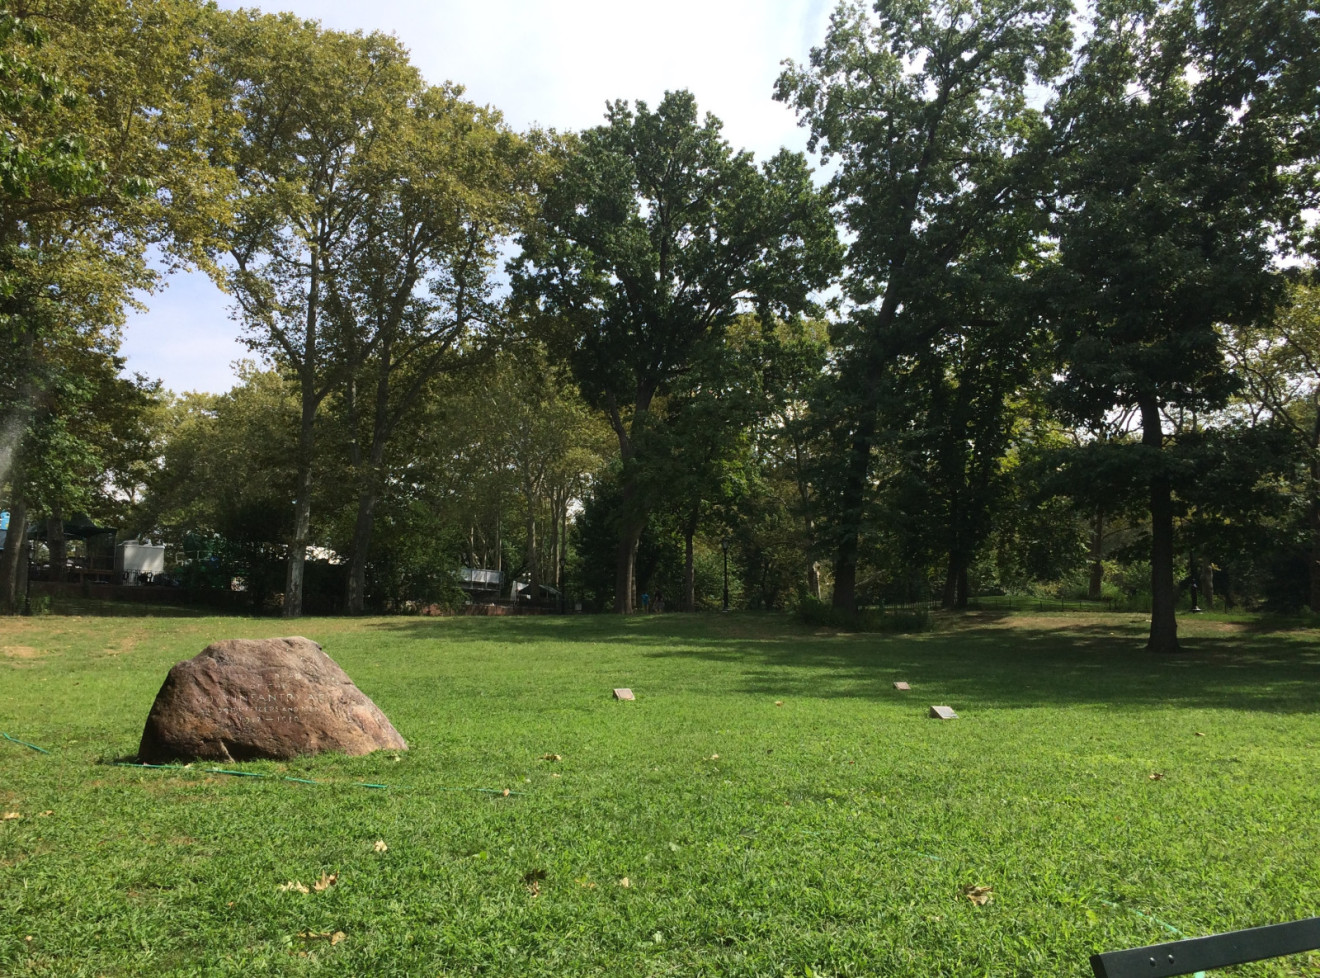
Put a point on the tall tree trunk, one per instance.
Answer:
(302, 512)
(954, 597)
(11, 577)
(1094, 589)
(1207, 579)
(853, 500)
(530, 556)
(632, 519)
(1315, 526)
(357, 564)
(302, 503)
(689, 565)
(625, 566)
(1163, 625)
(58, 545)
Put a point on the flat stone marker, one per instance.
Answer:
(624, 694)
(943, 713)
(903, 686)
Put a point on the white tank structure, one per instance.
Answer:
(137, 563)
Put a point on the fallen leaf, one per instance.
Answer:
(979, 895)
(325, 882)
(551, 757)
(532, 880)
(585, 883)
(506, 792)
(625, 883)
(381, 846)
(9, 816)
(1199, 734)
(554, 774)
(779, 702)
(336, 937)
(1156, 776)
(293, 885)
(230, 903)
(714, 757)
(48, 812)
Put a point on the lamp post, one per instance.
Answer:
(724, 545)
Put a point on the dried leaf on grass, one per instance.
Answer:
(325, 882)
(1156, 776)
(713, 757)
(551, 757)
(48, 812)
(293, 885)
(323, 935)
(532, 880)
(9, 816)
(625, 883)
(585, 883)
(979, 895)
(779, 702)
(380, 846)
(506, 792)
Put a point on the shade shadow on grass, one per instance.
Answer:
(988, 660)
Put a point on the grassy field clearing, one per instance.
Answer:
(704, 829)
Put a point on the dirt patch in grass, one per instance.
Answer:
(122, 646)
(21, 652)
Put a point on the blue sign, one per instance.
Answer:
(4, 520)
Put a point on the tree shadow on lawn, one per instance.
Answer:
(986, 660)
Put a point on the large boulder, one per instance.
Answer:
(277, 698)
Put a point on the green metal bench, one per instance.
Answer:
(1203, 953)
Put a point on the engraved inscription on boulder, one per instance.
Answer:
(276, 698)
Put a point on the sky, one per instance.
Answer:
(552, 64)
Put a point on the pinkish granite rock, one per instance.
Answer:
(277, 698)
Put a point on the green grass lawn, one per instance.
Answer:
(831, 835)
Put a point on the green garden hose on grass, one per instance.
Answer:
(23, 742)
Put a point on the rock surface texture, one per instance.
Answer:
(278, 698)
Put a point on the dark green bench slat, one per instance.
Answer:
(1204, 953)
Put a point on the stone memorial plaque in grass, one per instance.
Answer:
(902, 686)
(624, 693)
(943, 713)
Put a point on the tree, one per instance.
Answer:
(653, 236)
(414, 299)
(221, 490)
(1185, 133)
(1279, 363)
(105, 127)
(321, 117)
(925, 107)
